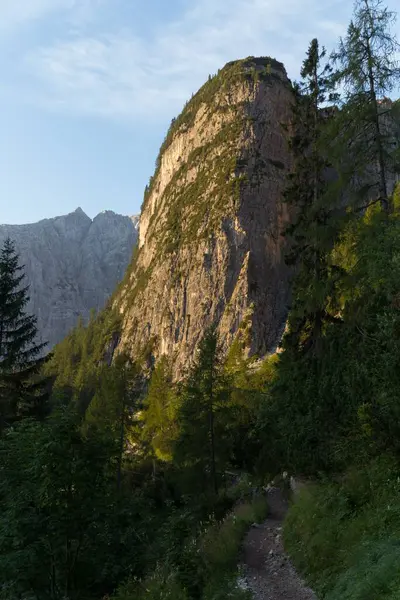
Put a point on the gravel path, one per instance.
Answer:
(267, 571)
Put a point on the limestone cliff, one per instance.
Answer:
(72, 265)
(210, 248)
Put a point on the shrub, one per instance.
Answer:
(345, 536)
(160, 586)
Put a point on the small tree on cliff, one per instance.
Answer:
(367, 70)
(21, 390)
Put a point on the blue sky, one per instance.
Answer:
(88, 87)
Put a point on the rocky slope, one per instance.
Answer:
(210, 248)
(72, 264)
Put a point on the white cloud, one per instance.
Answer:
(14, 13)
(120, 75)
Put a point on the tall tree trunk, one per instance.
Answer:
(317, 326)
(212, 433)
(121, 443)
(212, 445)
(315, 136)
(383, 194)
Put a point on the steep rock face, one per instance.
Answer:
(72, 264)
(210, 246)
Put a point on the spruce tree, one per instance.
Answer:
(313, 226)
(64, 532)
(111, 410)
(21, 389)
(367, 70)
(203, 447)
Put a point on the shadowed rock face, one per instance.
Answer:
(72, 265)
(211, 249)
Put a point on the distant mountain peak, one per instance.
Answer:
(79, 211)
(72, 264)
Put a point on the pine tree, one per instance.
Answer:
(59, 518)
(202, 449)
(21, 389)
(312, 230)
(367, 70)
(111, 410)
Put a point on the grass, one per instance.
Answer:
(220, 547)
(344, 537)
(207, 567)
(160, 586)
(221, 543)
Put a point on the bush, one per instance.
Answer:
(160, 586)
(345, 536)
(205, 568)
(375, 574)
(220, 546)
(221, 542)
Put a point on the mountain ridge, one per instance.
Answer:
(72, 265)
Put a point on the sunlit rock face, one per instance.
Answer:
(210, 244)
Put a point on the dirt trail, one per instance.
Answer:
(267, 570)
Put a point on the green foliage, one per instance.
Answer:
(61, 524)
(115, 394)
(220, 546)
(124, 490)
(251, 381)
(312, 231)
(158, 586)
(344, 536)
(334, 397)
(203, 447)
(205, 568)
(76, 361)
(396, 198)
(160, 414)
(367, 70)
(329, 409)
(22, 391)
(221, 542)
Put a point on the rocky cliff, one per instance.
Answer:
(210, 248)
(72, 264)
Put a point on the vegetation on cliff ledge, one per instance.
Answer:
(246, 70)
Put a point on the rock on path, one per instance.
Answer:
(266, 568)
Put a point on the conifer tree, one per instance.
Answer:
(21, 390)
(203, 445)
(367, 70)
(160, 415)
(313, 227)
(110, 412)
(64, 531)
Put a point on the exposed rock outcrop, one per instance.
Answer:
(211, 249)
(72, 264)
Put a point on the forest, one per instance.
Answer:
(119, 482)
